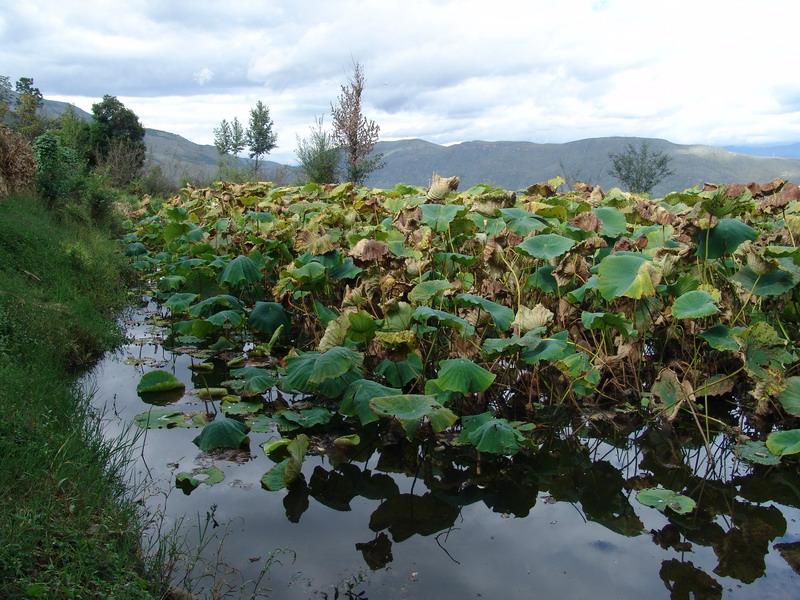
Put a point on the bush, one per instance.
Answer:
(17, 167)
(57, 169)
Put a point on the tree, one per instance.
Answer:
(5, 96)
(318, 154)
(116, 125)
(29, 101)
(353, 132)
(260, 137)
(640, 169)
(222, 137)
(238, 139)
(75, 133)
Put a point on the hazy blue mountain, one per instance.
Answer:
(512, 165)
(516, 165)
(782, 151)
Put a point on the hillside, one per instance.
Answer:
(512, 165)
(515, 165)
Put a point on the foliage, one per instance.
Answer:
(640, 169)
(29, 100)
(318, 154)
(55, 169)
(662, 499)
(117, 138)
(353, 132)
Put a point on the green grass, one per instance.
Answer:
(68, 527)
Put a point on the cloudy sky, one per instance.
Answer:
(692, 72)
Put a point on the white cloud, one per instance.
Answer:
(203, 76)
(442, 70)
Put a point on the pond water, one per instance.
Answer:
(402, 521)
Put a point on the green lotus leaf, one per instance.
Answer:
(439, 216)
(663, 499)
(790, 396)
(784, 443)
(158, 381)
(289, 469)
(399, 373)
(722, 338)
(241, 407)
(207, 393)
(355, 401)
(756, 452)
(167, 418)
(556, 347)
(334, 363)
(724, 238)
(612, 221)
(628, 275)
(409, 409)
(312, 271)
(545, 246)
(491, 435)
(694, 305)
(180, 302)
(362, 326)
(422, 292)
(188, 482)
(336, 372)
(290, 420)
(396, 339)
(501, 315)
(240, 271)
(255, 380)
(266, 317)
(772, 283)
(606, 320)
(210, 305)
(347, 441)
(222, 433)
(231, 317)
(464, 376)
(423, 313)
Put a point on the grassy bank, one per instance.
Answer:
(67, 528)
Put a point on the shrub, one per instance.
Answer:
(56, 169)
(17, 166)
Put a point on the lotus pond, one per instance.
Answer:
(425, 392)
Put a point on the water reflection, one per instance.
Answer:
(392, 507)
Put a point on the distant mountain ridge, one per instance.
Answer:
(512, 165)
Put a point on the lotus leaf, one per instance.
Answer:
(240, 271)
(491, 435)
(180, 302)
(423, 313)
(409, 409)
(721, 337)
(288, 470)
(158, 381)
(723, 239)
(784, 443)
(501, 315)
(400, 373)
(255, 380)
(464, 376)
(612, 221)
(756, 452)
(790, 396)
(188, 482)
(439, 216)
(628, 275)
(166, 418)
(546, 246)
(606, 320)
(663, 499)
(267, 317)
(694, 305)
(222, 433)
(355, 401)
(290, 420)
(422, 292)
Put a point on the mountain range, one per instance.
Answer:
(511, 165)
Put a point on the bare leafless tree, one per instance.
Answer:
(353, 132)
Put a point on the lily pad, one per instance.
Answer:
(663, 499)
(756, 451)
(158, 381)
(188, 482)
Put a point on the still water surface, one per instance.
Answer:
(563, 523)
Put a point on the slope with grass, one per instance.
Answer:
(67, 525)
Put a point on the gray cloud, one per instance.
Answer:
(442, 70)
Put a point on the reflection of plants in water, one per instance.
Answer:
(598, 478)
